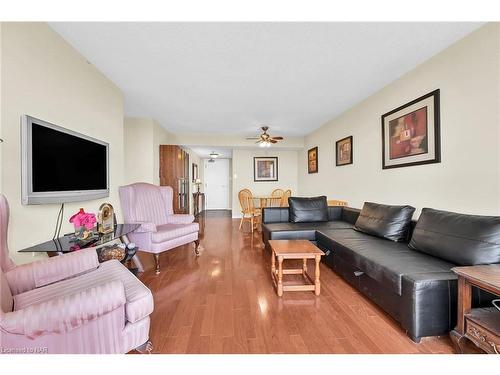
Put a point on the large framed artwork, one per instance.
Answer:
(343, 151)
(265, 169)
(312, 160)
(411, 133)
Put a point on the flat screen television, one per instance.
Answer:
(60, 165)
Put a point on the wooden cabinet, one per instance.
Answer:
(174, 172)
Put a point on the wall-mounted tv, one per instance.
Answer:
(60, 165)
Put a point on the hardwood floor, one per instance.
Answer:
(224, 302)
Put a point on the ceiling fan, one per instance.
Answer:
(265, 140)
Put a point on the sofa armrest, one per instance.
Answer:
(180, 219)
(429, 306)
(64, 314)
(43, 272)
(145, 227)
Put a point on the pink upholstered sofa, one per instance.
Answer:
(70, 303)
(161, 229)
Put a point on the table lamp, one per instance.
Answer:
(197, 182)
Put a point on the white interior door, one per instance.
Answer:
(216, 177)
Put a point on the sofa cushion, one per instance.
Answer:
(6, 300)
(382, 260)
(167, 232)
(462, 239)
(139, 298)
(390, 222)
(302, 231)
(308, 210)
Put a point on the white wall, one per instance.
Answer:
(43, 76)
(243, 174)
(231, 140)
(467, 179)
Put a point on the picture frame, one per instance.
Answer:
(411, 133)
(194, 172)
(344, 151)
(265, 169)
(312, 160)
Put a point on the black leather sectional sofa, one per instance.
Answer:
(402, 266)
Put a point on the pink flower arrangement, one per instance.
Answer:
(83, 219)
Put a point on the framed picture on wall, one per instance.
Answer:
(312, 160)
(411, 133)
(265, 169)
(194, 173)
(343, 151)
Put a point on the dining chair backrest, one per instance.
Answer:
(246, 201)
(274, 202)
(286, 195)
(278, 193)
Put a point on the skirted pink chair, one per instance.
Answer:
(70, 303)
(161, 230)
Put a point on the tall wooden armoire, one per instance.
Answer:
(174, 172)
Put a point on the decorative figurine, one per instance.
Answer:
(106, 219)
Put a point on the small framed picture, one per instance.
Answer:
(312, 160)
(343, 151)
(265, 169)
(411, 133)
(194, 172)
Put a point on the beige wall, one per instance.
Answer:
(43, 76)
(194, 158)
(1, 105)
(160, 137)
(467, 179)
(139, 150)
(143, 137)
(242, 174)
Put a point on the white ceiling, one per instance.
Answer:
(204, 152)
(233, 77)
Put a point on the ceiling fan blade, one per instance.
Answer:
(278, 138)
(259, 141)
(273, 141)
(252, 138)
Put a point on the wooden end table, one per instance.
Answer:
(294, 249)
(481, 326)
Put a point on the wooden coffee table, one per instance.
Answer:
(294, 249)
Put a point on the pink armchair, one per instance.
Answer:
(161, 229)
(70, 303)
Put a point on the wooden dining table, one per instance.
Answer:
(266, 201)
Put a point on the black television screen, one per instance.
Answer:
(60, 165)
(65, 162)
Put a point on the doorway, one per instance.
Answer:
(216, 176)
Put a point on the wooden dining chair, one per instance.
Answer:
(287, 194)
(248, 210)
